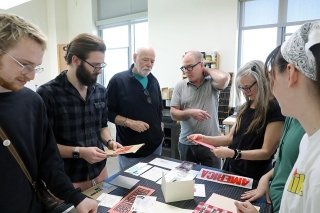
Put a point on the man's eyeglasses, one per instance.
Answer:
(25, 68)
(248, 88)
(146, 92)
(189, 67)
(95, 68)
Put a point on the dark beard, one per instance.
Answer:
(85, 77)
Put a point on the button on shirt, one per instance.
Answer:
(76, 122)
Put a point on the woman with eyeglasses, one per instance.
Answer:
(294, 77)
(249, 146)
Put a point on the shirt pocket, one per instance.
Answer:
(99, 105)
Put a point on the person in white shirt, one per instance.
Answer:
(294, 71)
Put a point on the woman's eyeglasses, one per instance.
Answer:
(189, 68)
(248, 88)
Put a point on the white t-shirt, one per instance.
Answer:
(302, 190)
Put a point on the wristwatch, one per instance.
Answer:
(75, 152)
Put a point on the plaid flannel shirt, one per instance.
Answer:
(76, 122)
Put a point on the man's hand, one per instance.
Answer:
(138, 126)
(199, 114)
(114, 145)
(92, 154)
(87, 206)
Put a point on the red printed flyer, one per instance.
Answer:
(204, 144)
(124, 206)
(207, 208)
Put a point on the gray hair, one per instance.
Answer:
(197, 55)
(255, 69)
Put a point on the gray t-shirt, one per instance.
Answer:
(188, 96)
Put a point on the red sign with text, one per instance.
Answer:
(224, 178)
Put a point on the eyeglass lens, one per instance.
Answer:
(189, 67)
(95, 68)
(247, 89)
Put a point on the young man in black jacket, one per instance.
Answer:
(23, 118)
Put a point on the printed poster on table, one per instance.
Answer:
(125, 205)
(224, 178)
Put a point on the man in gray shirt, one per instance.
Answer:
(195, 104)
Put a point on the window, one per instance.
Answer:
(264, 24)
(121, 42)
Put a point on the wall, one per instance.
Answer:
(181, 25)
(175, 27)
(54, 19)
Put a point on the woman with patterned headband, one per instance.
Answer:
(294, 78)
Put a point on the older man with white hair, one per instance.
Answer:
(135, 106)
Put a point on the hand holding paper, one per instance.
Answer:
(204, 144)
(124, 150)
(198, 139)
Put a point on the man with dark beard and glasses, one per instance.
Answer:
(77, 111)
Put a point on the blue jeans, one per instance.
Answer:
(198, 154)
(125, 162)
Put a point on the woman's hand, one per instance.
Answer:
(261, 190)
(198, 137)
(245, 207)
(223, 152)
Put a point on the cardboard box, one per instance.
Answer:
(166, 93)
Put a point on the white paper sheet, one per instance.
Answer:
(164, 163)
(138, 169)
(154, 174)
(200, 190)
(108, 200)
(174, 175)
(224, 202)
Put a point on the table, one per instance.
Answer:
(211, 187)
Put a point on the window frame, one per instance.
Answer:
(131, 38)
(281, 25)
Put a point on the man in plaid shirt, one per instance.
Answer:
(77, 110)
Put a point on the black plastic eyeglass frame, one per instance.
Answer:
(189, 67)
(95, 68)
(247, 89)
(146, 92)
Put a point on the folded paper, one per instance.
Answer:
(178, 190)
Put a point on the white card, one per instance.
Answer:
(143, 203)
(175, 175)
(200, 190)
(154, 174)
(138, 169)
(108, 200)
(164, 163)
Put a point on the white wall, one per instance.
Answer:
(176, 26)
(60, 20)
